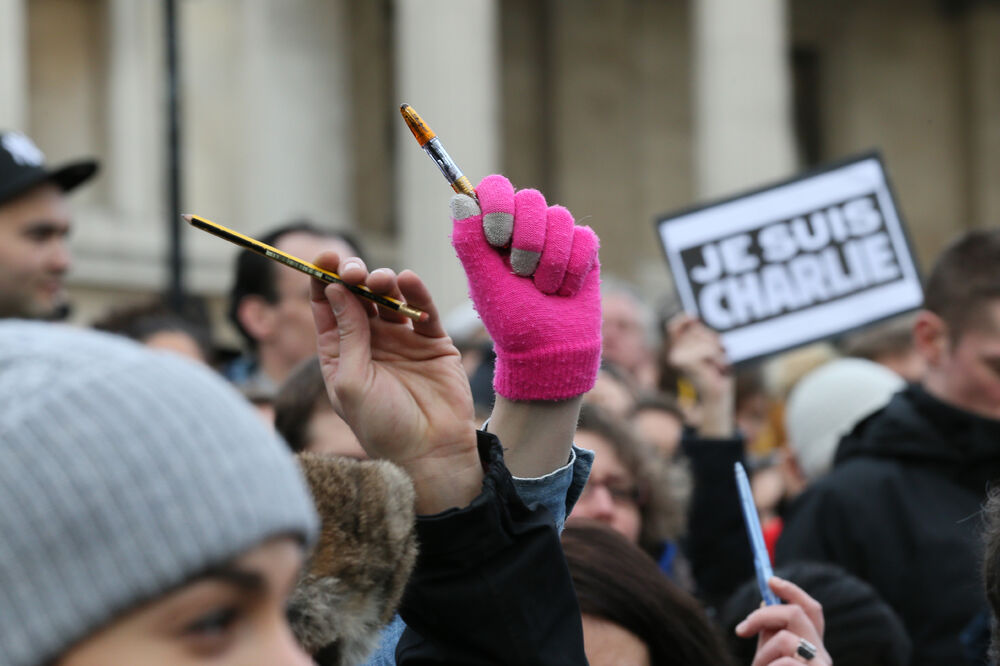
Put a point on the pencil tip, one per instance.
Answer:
(186, 217)
(404, 106)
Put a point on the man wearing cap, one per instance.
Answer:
(34, 222)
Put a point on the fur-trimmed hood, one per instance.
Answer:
(354, 578)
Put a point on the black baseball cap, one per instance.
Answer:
(22, 167)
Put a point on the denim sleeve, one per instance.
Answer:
(385, 655)
(557, 491)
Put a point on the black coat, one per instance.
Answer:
(900, 509)
(491, 584)
(716, 544)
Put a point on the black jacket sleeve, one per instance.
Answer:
(716, 543)
(491, 585)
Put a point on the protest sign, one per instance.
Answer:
(795, 262)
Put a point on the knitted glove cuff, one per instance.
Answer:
(553, 373)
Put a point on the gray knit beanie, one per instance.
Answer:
(123, 473)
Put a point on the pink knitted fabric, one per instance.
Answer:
(540, 302)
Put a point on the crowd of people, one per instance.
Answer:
(548, 482)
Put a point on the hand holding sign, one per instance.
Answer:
(796, 262)
(697, 352)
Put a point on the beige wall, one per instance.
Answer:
(265, 121)
(66, 81)
(982, 39)
(291, 108)
(597, 100)
(13, 64)
(925, 92)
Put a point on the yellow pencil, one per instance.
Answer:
(274, 253)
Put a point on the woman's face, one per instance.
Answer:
(611, 493)
(234, 614)
(661, 429)
(609, 644)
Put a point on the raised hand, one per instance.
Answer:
(697, 352)
(540, 302)
(788, 634)
(400, 385)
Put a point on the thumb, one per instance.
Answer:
(469, 239)
(355, 341)
(480, 228)
(467, 224)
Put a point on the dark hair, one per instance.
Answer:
(660, 402)
(143, 321)
(664, 487)
(296, 402)
(617, 582)
(861, 628)
(668, 376)
(256, 274)
(890, 337)
(966, 274)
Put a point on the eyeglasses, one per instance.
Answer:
(621, 491)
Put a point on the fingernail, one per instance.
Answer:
(348, 265)
(741, 626)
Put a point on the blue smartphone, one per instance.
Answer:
(761, 560)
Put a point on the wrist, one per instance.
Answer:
(445, 482)
(718, 417)
(537, 434)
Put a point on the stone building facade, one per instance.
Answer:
(618, 109)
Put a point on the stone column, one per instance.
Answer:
(13, 65)
(294, 144)
(100, 98)
(743, 133)
(135, 112)
(983, 43)
(446, 68)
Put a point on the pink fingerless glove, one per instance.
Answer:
(540, 302)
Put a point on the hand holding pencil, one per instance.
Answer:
(254, 245)
(398, 383)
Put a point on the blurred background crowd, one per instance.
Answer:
(620, 111)
(286, 128)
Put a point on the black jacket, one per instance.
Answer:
(491, 585)
(900, 509)
(716, 544)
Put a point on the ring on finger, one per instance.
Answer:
(805, 650)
